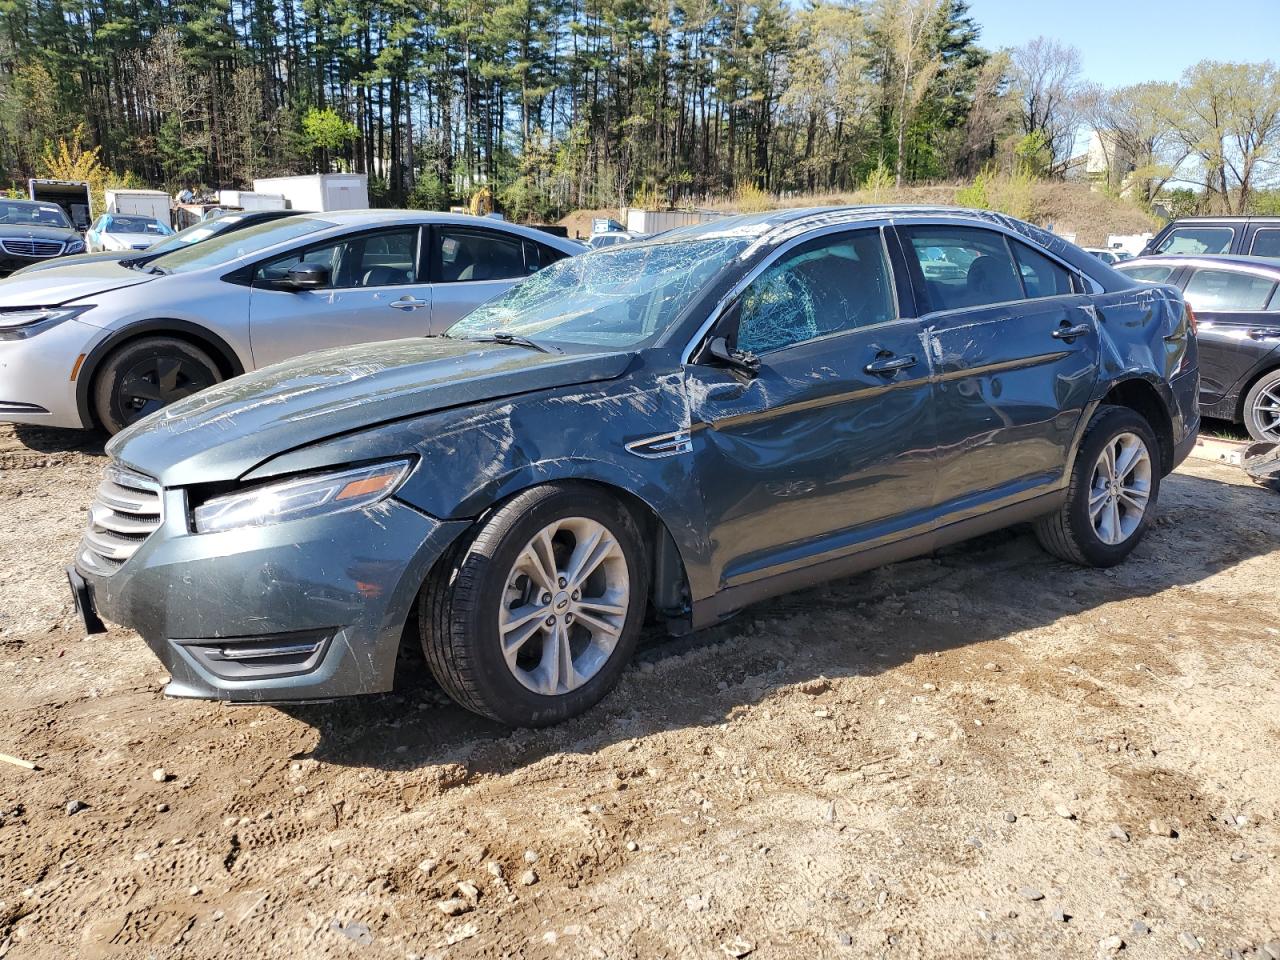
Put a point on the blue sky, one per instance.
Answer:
(1129, 41)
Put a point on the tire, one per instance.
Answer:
(1262, 408)
(463, 600)
(146, 375)
(1071, 533)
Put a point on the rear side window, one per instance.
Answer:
(828, 285)
(1210, 290)
(1266, 243)
(1197, 240)
(537, 256)
(471, 255)
(963, 266)
(1152, 274)
(1041, 276)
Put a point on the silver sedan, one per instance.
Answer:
(104, 344)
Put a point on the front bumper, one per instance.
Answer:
(304, 610)
(35, 375)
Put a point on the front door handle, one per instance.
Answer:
(408, 303)
(1068, 333)
(888, 365)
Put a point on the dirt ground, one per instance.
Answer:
(985, 753)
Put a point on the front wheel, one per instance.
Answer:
(1111, 498)
(147, 374)
(533, 619)
(1262, 409)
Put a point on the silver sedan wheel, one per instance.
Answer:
(1266, 412)
(1120, 488)
(564, 606)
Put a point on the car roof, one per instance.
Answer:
(1238, 261)
(375, 218)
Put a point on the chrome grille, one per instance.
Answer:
(127, 510)
(32, 248)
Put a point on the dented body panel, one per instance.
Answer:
(815, 463)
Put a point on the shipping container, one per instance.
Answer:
(320, 192)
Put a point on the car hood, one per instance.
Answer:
(75, 260)
(64, 283)
(36, 231)
(129, 239)
(224, 432)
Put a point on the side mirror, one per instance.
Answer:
(744, 360)
(306, 276)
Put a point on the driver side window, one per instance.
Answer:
(384, 259)
(826, 286)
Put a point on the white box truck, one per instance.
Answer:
(139, 203)
(252, 200)
(320, 192)
(71, 195)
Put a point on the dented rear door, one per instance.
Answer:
(1010, 387)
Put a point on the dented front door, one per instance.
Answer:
(826, 451)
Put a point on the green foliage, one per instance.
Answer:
(977, 194)
(429, 193)
(1032, 155)
(879, 182)
(1013, 193)
(327, 131)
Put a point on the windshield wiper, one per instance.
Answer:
(159, 270)
(514, 339)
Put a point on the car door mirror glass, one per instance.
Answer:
(718, 350)
(306, 276)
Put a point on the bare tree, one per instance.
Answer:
(1047, 78)
(1227, 115)
(910, 28)
(1135, 135)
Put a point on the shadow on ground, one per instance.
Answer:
(58, 440)
(866, 625)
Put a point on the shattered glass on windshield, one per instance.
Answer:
(618, 297)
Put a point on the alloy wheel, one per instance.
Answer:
(564, 606)
(157, 382)
(1266, 412)
(1120, 488)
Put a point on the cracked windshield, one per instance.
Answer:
(616, 297)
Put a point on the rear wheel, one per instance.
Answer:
(147, 375)
(533, 620)
(1262, 409)
(1111, 499)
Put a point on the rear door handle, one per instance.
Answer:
(1070, 333)
(408, 303)
(890, 364)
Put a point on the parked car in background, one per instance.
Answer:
(33, 232)
(1237, 304)
(123, 232)
(1254, 236)
(1109, 256)
(676, 427)
(598, 241)
(227, 223)
(105, 343)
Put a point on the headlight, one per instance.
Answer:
(303, 497)
(75, 246)
(28, 321)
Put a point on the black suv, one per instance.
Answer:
(31, 232)
(1255, 236)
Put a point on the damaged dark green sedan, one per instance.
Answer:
(669, 429)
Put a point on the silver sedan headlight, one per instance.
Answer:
(28, 321)
(302, 497)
